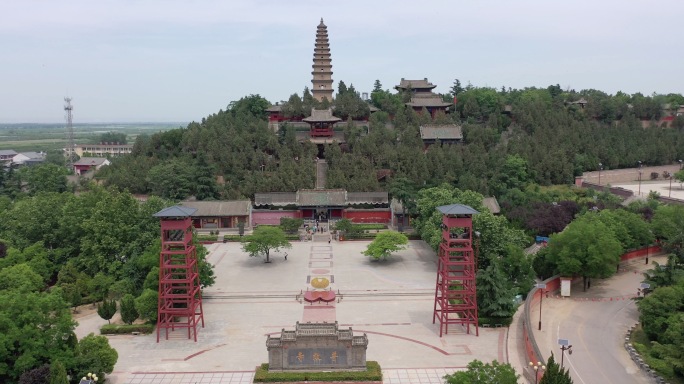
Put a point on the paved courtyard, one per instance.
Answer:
(391, 301)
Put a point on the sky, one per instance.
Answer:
(181, 60)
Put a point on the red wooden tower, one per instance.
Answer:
(455, 292)
(180, 294)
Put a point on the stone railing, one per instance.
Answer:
(636, 357)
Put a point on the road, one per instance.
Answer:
(595, 323)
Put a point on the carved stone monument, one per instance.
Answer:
(317, 347)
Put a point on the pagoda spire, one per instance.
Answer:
(322, 67)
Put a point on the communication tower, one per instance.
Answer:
(70, 144)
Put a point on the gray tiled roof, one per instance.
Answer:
(441, 132)
(321, 197)
(219, 207)
(274, 108)
(415, 84)
(428, 101)
(321, 115)
(90, 161)
(456, 209)
(277, 199)
(7, 152)
(367, 198)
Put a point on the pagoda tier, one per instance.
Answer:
(322, 67)
(180, 292)
(455, 291)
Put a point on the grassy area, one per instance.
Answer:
(45, 137)
(641, 343)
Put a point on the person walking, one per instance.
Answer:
(285, 256)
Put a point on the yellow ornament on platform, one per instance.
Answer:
(320, 282)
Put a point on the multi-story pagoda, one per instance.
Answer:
(322, 67)
(422, 96)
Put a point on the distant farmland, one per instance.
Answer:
(45, 137)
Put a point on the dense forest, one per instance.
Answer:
(543, 129)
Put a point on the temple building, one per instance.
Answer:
(322, 67)
(422, 96)
(321, 122)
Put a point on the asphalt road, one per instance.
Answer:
(595, 326)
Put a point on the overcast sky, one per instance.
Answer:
(181, 60)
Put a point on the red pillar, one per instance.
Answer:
(180, 293)
(455, 291)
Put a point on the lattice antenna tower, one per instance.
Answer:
(71, 145)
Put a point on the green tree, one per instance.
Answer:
(377, 86)
(95, 355)
(587, 248)
(554, 374)
(205, 180)
(495, 296)
(147, 305)
(385, 243)
(404, 191)
(20, 278)
(172, 179)
(107, 309)
(58, 374)
(265, 239)
(481, 373)
(290, 225)
(45, 178)
(657, 307)
(127, 309)
(34, 329)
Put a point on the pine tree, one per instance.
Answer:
(107, 309)
(58, 374)
(205, 181)
(377, 87)
(128, 312)
(555, 374)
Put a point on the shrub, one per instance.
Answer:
(495, 321)
(117, 329)
(147, 305)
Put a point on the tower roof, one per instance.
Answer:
(176, 211)
(456, 209)
(321, 24)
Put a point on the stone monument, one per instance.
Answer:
(317, 347)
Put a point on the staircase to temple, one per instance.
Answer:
(321, 172)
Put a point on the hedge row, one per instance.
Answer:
(289, 237)
(366, 227)
(118, 329)
(372, 373)
(207, 237)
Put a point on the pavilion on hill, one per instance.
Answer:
(321, 122)
(422, 96)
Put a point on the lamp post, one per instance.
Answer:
(669, 194)
(564, 346)
(680, 165)
(542, 287)
(639, 178)
(648, 249)
(600, 169)
(539, 367)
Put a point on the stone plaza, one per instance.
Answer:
(390, 301)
